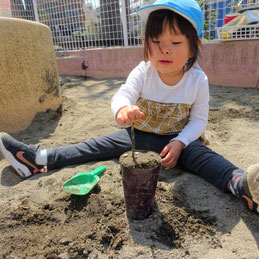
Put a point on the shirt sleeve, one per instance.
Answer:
(198, 116)
(129, 92)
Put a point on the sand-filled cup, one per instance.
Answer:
(139, 177)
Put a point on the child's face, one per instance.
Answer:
(170, 51)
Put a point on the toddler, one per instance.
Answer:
(167, 98)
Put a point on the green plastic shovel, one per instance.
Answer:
(83, 183)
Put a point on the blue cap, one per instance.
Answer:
(189, 9)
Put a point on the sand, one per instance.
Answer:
(191, 218)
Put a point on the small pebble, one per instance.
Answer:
(125, 155)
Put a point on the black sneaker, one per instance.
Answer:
(20, 156)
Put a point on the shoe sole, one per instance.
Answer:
(21, 169)
(253, 182)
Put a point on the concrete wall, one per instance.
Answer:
(29, 81)
(233, 63)
(102, 63)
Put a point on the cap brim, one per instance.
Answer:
(145, 11)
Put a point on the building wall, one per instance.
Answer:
(233, 63)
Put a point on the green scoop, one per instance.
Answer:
(83, 183)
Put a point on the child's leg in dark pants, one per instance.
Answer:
(105, 147)
(202, 161)
(28, 160)
(95, 149)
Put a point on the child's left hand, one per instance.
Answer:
(171, 153)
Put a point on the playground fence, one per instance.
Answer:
(86, 24)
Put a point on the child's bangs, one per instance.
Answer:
(158, 21)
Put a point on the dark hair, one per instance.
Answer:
(155, 25)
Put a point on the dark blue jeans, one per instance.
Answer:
(195, 158)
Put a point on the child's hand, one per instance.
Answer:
(128, 114)
(171, 153)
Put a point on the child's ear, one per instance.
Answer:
(199, 42)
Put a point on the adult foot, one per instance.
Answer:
(251, 182)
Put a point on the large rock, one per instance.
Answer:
(29, 81)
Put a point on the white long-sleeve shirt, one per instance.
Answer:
(191, 91)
